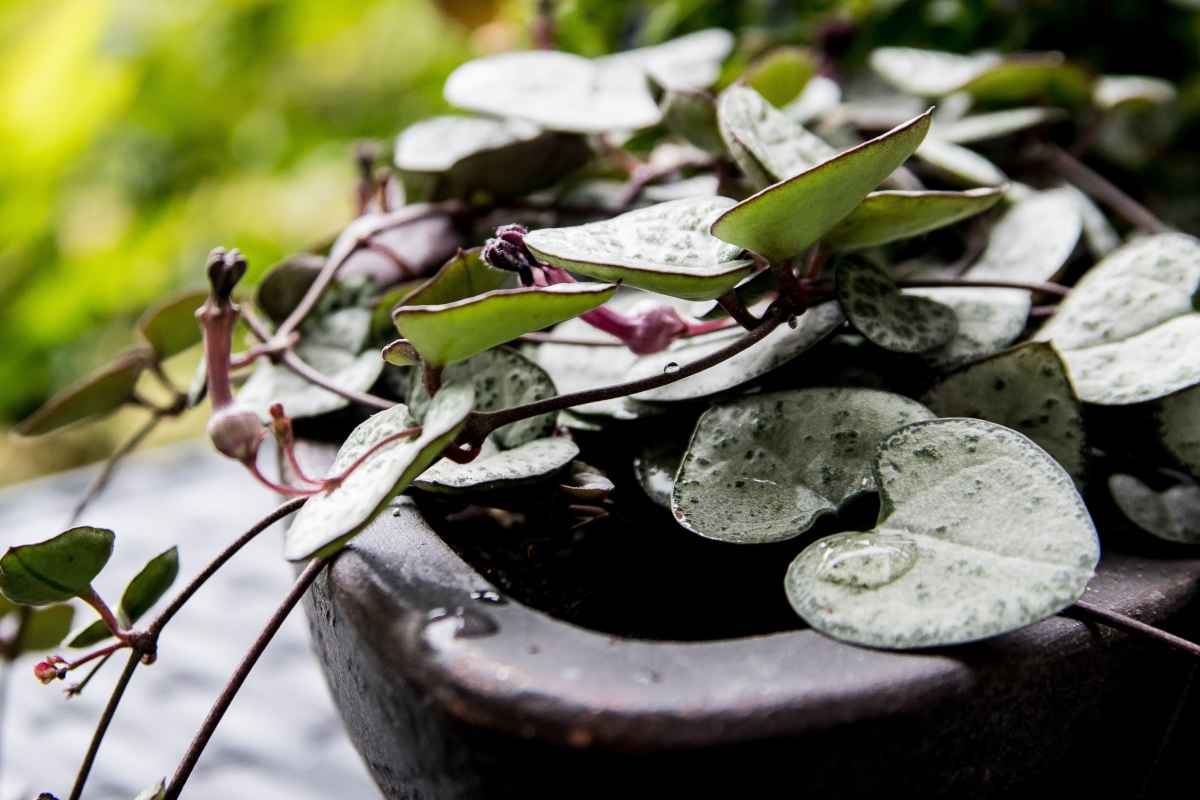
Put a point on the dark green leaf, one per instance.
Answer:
(170, 327)
(45, 629)
(781, 75)
(97, 395)
(57, 569)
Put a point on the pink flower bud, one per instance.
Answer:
(45, 671)
(236, 432)
(654, 330)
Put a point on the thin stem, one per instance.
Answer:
(818, 254)
(480, 424)
(290, 453)
(76, 689)
(118, 692)
(1087, 612)
(1103, 190)
(103, 652)
(297, 365)
(1045, 287)
(407, 433)
(101, 480)
(94, 600)
(301, 586)
(186, 593)
(328, 272)
(735, 308)
(278, 488)
(391, 255)
(550, 338)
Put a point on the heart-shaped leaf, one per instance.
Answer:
(903, 323)
(781, 75)
(44, 629)
(97, 395)
(777, 349)
(1179, 427)
(930, 73)
(1112, 91)
(558, 91)
(1026, 389)
(330, 519)
(1172, 514)
(766, 144)
(1098, 233)
(496, 469)
(765, 468)
(330, 346)
(782, 220)
(665, 248)
(170, 326)
(464, 276)
(1126, 328)
(450, 332)
(502, 378)
(404, 243)
(988, 321)
(443, 157)
(146, 589)
(980, 533)
(995, 124)
(885, 217)
(1033, 240)
(959, 165)
(690, 62)
(57, 569)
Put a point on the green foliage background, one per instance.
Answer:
(137, 135)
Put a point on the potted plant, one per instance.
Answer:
(729, 446)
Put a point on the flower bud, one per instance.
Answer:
(46, 671)
(507, 251)
(281, 426)
(654, 330)
(236, 432)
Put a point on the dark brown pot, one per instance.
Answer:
(448, 695)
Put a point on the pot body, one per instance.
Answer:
(449, 696)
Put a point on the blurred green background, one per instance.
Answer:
(137, 135)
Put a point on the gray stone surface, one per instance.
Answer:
(282, 737)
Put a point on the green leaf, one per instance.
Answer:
(1172, 514)
(45, 629)
(464, 276)
(1031, 78)
(665, 248)
(959, 165)
(693, 117)
(170, 326)
(286, 283)
(766, 144)
(57, 569)
(885, 217)
(1112, 91)
(903, 323)
(993, 125)
(1026, 389)
(401, 354)
(980, 533)
(778, 348)
(146, 588)
(782, 220)
(1179, 427)
(503, 378)
(330, 346)
(458, 156)
(97, 395)
(6, 606)
(451, 332)
(781, 75)
(495, 469)
(930, 73)
(765, 468)
(989, 320)
(555, 90)
(330, 519)
(1127, 328)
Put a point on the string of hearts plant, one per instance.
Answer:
(829, 319)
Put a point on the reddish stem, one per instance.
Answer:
(94, 600)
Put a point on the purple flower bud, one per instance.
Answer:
(507, 251)
(654, 330)
(236, 432)
(46, 671)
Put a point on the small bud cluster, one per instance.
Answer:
(507, 251)
(52, 669)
